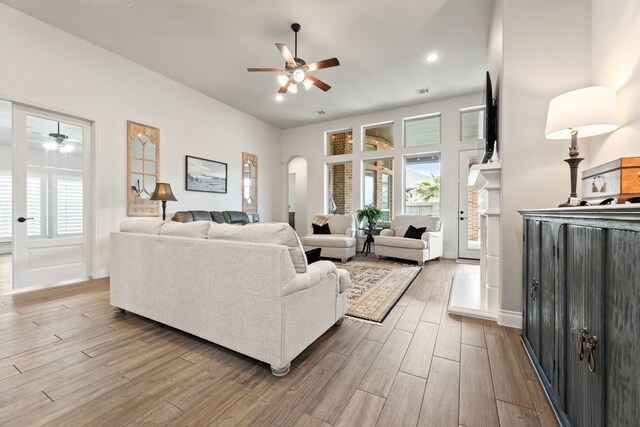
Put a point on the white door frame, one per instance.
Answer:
(89, 182)
(462, 216)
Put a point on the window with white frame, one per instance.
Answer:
(472, 124)
(378, 185)
(422, 184)
(424, 130)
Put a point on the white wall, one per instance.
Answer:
(46, 67)
(298, 168)
(615, 60)
(308, 142)
(546, 52)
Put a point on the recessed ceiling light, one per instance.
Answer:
(279, 98)
(433, 57)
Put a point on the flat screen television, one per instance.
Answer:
(490, 121)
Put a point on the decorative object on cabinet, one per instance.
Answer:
(618, 179)
(143, 168)
(163, 193)
(581, 311)
(249, 183)
(588, 112)
(205, 175)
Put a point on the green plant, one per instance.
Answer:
(370, 213)
(426, 190)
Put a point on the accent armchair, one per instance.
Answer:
(392, 243)
(341, 243)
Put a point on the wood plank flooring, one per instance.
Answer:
(5, 273)
(67, 358)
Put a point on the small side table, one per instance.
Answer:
(366, 249)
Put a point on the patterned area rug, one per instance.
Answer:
(376, 286)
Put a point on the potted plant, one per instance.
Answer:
(371, 214)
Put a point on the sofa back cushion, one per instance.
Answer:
(217, 217)
(235, 217)
(183, 216)
(193, 230)
(338, 224)
(201, 215)
(401, 223)
(142, 226)
(273, 233)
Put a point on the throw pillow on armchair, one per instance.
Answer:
(415, 233)
(321, 229)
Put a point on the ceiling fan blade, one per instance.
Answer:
(325, 63)
(265, 69)
(284, 88)
(319, 83)
(286, 54)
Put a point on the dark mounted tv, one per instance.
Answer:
(490, 121)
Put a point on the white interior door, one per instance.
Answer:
(468, 218)
(50, 185)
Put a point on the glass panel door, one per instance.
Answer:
(468, 218)
(50, 194)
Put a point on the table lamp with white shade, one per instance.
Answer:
(584, 112)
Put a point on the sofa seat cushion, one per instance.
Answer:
(194, 230)
(141, 226)
(328, 241)
(273, 233)
(401, 242)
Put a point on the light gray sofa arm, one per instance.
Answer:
(350, 232)
(315, 274)
(435, 241)
(388, 232)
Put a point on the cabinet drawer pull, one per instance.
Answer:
(582, 337)
(534, 288)
(591, 346)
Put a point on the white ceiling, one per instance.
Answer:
(207, 45)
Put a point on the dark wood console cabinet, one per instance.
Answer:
(581, 275)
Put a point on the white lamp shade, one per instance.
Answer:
(592, 111)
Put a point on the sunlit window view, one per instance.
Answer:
(378, 185)
(422, 185)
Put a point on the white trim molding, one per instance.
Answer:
(511, 319)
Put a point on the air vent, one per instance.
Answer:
(320, 112)
(422, 91)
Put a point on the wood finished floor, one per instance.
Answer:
(68, 359)
(5, 273)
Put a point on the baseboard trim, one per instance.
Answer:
(103, 272)
(511, 319)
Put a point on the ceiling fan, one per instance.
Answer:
(297, 70)
(57, 141)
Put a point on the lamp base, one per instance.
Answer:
(570, 203)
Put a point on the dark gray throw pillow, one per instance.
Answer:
(321, 229)
(313, 255)
(415, 233)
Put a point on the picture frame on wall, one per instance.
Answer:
(204, 175)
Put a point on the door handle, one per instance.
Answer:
(23, 219)
(534, 288)
(582, 337)
(591, 346)
(462, 218)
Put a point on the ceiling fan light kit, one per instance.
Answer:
(57, 141)
(297, 70)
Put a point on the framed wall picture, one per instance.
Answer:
(205, 175)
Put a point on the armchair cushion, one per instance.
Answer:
(338, 224)
(400, 242)
(328, 241)
(415, 233)
(321, 229)
(387, 232)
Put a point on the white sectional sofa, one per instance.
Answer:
(392, 243)
(245, 288)
(340, 244)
